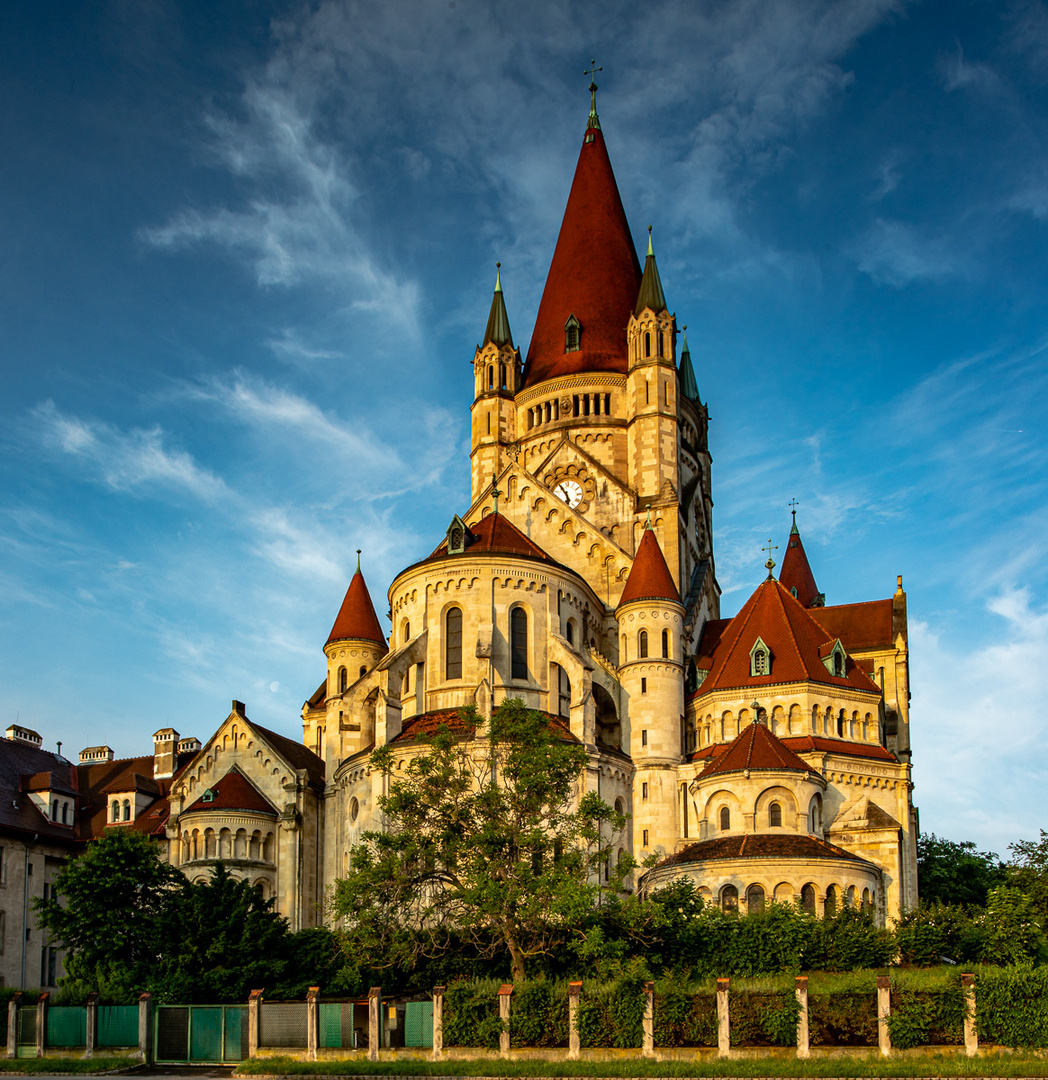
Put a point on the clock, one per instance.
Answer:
(570, 491)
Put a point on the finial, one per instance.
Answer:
(358, 560)
(793, 504)
(651, 250)
(647, 522)
(498, 277)
(770, 564)
(495, 493)
(755, 705)
(591, 72)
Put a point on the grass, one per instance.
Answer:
(932, 1065)
(68, 1065)
(863, 981)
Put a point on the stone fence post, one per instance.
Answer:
(145, 1026)
(505, 995)
(574, 993)
(971, 1030)
(41, 1023)
(438, 1022)
(312, 1022)
(884, 1010)
(12, 1025)
(374, 1021)
(803, 1049)
(723, 1019)
(254, 1000)
(648, 1048)
(92, 1024)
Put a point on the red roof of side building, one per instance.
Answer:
(496, 534)
(859, 626)
(426, 725)
(356, 618)
(595, 275)
(650, 577)
(233, 792)
(796, 575)
(755, 747)
(808, 744)
(777, 845)
(792, 636)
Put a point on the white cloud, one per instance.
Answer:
(894, 253)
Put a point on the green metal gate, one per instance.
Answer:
(200, 1034)
(418, 1023)
(67, 1026)
(27, 1030)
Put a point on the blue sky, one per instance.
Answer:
(246, 251)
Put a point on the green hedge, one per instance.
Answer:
(539, 1014)
(1012, 1007)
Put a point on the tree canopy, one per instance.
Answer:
(952, 872)
(489, 839)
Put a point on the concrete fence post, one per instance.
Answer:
(92, 1024)
(723, 1019)
(574, 993)
(648, 1046)
(312, 1022)
(803, 1048)
(438, 1022)
(971, 1030)
(12, 1025)
(505, 996)
(374, 1021)
(145, 1027)
(41, 1023)
(254, 1001)
(884, 1011)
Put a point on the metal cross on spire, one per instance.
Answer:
(592, 72)
(495, 493)
(770, 564)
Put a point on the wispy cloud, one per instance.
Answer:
(894, 253)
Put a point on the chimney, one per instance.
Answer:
(23, 735)
(165, 752)
(91, 754)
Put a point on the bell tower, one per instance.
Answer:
(496, 380)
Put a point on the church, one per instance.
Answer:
(765, 756)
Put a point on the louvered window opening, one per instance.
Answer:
(282, 1023)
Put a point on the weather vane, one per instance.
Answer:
(592, 72)
(793, 504)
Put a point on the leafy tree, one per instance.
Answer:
(110, 909)
(486, 837)
(952, 872)
(1029, 871)
(1012, 928)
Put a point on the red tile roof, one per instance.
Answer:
(796, 571)
(809, 744)
(356, 617)
(233, 792)
(650, 577)
(495, 533)
(595, 275)
(777, 845)
(859, 626)
(297, 755)
(425, 726)
(789, 631)
(755, 747)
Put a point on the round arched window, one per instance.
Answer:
(775, 816)
(354, 809)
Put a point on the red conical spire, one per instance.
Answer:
(796, 575)
(594, 276)
(650, 577)
(356, 618)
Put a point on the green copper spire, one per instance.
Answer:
(794, 531)
(497, 330)
(651, 294)
(593, 122)
(688, 386)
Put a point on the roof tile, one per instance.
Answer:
(356, 618)
(650, 577)
(778, 845)
(755, 747)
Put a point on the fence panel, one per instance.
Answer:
(330, 1025)
(418, 1023)
(67, 1025)
(205, 1033)
(172, 1033)
(234, 1043)
(27, 1025)
(282, 1023)
(117, 1025)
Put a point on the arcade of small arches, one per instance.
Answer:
(773, 809)
(570, 406)
(810, 898)
(224, 843)
(839, 723)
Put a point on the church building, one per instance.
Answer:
(766, 756)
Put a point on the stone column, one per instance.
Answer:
(505, 994)
(971, 1032)
(723, 1019)
(145, 1027)
(574, 993)
(12, 1025)
(374, 1021)
(41, 1023)
(803, 1049)
(92, 1024)
(254, 1000)
(312, 1022)
(438, 1022)
(648, 1047)
(884, 1010)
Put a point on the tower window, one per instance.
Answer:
(775, 816)
(645, 840)
(647, 344)
(725, 818)
(502, 376)
(518, 628)
(644, 686)
(644, 791)
(572, 330)
(453, 644)
(644, 737)
(658, 338)
(491, 377)
(343, 678)
(642, 644)
(666, 644)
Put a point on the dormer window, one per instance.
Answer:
(836, 660)
(208, 796)
(572, 333)
(760, 659)
(458, 536)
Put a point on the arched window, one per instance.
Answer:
(518, 633)
(729, 899)
(405, 634)
(642, 644)
(760, 662)
(815, 815)
(865, 899)
(114, 813)
(775, 816)
(849, 896)
(808, 899)
(343, 679)
(65, 813)
(647, 343)
(54, 810)
(754, 899)
(832, 900)
(127, 809)
(666, 644)
(502, 376)
(570, 631)
(725, 818)
(453, 644)
(491, 377)
(840, 724)
(363, 671)
(658, 338)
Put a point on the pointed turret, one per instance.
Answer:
(356, 620)
(650, 294)
(688, 386)
(796, 574)
(497, 331)
(594, 278)
(650, 577)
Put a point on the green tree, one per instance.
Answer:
(485, 837)
(1029, 871)
(110, 908)
(952, 872)
(1012, 929)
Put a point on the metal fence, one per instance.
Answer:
(283, 1023)
(201, 1034)
(67, 1026)
(117, 1025)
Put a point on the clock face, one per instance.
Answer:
(570, 491)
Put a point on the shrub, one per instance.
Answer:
(539, 1014)
(471, 1014)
